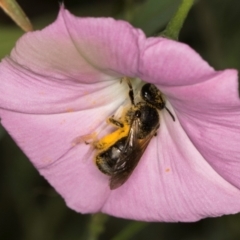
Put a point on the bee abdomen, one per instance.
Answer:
(106, 160)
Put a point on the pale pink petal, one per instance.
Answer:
(206, 101)
(63, 82)
(22, 90)
(83, 49)
(169, 63)
(176, 185)
(173, 182)
(210, 114)
(52, 144)
(47, 103)
(55, 66)
(111, 46)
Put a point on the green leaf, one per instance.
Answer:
(9, 37)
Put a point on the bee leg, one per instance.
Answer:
(131, 93)
(115, 122)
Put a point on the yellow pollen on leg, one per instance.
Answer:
(108, 140)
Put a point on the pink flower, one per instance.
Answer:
(64, 81)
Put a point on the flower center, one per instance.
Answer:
(118, 153)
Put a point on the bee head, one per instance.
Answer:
(151, 95)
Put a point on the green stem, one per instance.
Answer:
(174, 26)
(130, 230)
(96, 226)
(129, 6)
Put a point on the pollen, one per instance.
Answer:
(69, 110)
(107, 141)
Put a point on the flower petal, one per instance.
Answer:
(210, 114)
(55, 66)
(173, 182)
(50, 142)
(24, 91)
(111, 46)
(56, 86)
(84, 49)
(206, 101)
(177, 185)
(47, 102)
(169, 63)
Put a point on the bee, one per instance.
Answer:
(119, 152)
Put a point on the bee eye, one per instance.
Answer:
(152, 95)
(146, 92)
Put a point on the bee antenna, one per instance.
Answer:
(173, 118)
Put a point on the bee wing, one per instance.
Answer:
(133, 151)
